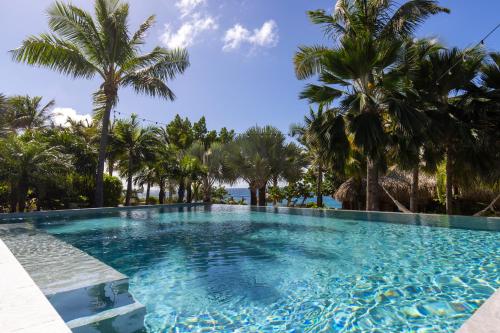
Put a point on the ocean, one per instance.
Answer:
(244, 193)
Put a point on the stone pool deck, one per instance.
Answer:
(23, 307)
(486, 319)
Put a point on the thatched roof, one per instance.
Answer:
(396, 182)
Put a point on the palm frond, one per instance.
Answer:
(308, 60)
(409, 16)
(54, 53)
(320, 94)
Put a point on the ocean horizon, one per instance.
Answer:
(239, 193)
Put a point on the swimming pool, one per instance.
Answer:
(241, 269)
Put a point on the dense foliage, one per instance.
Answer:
(394, 121)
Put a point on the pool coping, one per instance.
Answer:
(79, 211)
(31, 312)
(486, 319)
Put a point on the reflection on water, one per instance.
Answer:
(229, 269)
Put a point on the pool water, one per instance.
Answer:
(237, 269)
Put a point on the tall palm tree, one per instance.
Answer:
(444, 90)
(371, 35)
(137, 143)
(327, 147)
(83, 46)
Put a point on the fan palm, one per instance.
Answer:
(453, 133)
(83, 46)
(371, 35)
(214, 166)
(323, 136)
(137, 143)
(248, 157)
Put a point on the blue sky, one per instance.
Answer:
(241, 53)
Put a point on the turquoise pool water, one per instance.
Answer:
(237, 269)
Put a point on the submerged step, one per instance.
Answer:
(125, 319)
(102, 308)
(53, 264)
(91, 300)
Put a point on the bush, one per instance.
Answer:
(113, 188)
(4, 198)
(152, 201)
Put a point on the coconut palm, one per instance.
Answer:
(26, 113)
(83, 46)
(137, 143)
(27, 163)
(358, 69)
(146, 176)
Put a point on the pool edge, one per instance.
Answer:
(486, 319)
(30, 313)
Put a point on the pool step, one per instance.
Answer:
(102, 308)
(53, 264)
(125, 319)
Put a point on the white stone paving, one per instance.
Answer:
(23, 307)
(486, 319)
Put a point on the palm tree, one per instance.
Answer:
(83, 46)
(26, 162)
(323, 136)
(29, 111)
(146, 176)
(358, 70)
(214, 166)
(137, 143)
(257, 156)
(454, 132)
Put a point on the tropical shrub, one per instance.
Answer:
(113, 189)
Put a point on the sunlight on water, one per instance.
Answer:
(228, 269)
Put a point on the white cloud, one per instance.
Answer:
(60, 116)
(265, 36)
(186, 7)
(189, 31)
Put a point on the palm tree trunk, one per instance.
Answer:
(414, 190)
(161, 195)
(449, 183)
(253, 197)
(319, 185)
(148, 191)
(180, 191)
(206, 190)
(129, 183)
(275, 185)
(103, 144)
(13, 197)
(262, 196)
(23, 193)
(171, 190)
(372, 187)
(111, 167)
(189, 192)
